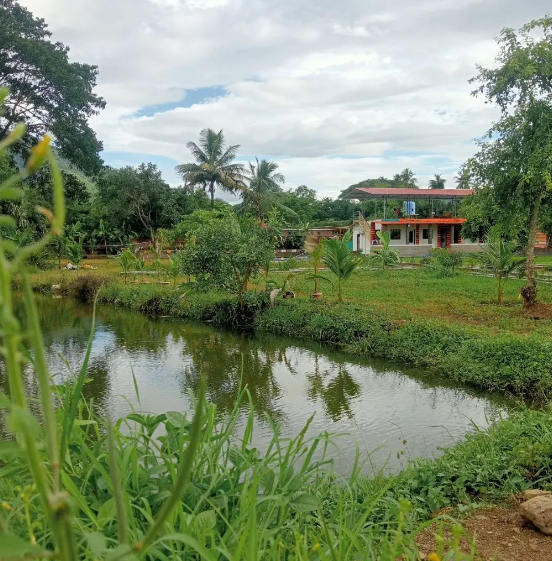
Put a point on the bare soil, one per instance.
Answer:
(500, 534)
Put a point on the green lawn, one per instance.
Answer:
(464, 298)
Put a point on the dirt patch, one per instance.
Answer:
(538, 311)
(500, 534)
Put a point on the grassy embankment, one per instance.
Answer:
(450, 326)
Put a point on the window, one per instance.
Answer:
(425, 234)
(395, 234)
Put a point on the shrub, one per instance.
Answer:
(444, 262)
(85, 287)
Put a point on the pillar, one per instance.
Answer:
(372, 231)
(417, 234)
(448, 236)
(459, 233)
(438, 236)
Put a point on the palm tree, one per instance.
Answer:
(339, 260)
(76, 254)
(213, 164)
(408, 178)
(463, 180)
(499, 259)
(385, 255)
(437, 182)
(264, 189)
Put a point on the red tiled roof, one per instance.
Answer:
(424, 221)
(414, 193)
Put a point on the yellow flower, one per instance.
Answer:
(6, 506)
(433, 557)
(315, 547)
(38, 154)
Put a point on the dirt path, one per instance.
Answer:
(501, 534)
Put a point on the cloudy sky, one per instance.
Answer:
(335, 91)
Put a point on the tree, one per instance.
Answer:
(224, 252)
(213, 166)
(515, 157)
(75, 253)
(315, 249)
(47, 91)
(134, 198)
(340, 261)
(463, 179)
(385, 255)
(127, 261)
(264, 191)
(498, 257)
(407, 178)
(437, 182)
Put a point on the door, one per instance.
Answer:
(443, 239)
(411, 236)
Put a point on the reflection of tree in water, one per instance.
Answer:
(230, 362)
(335, 389)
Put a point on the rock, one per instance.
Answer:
(532, 493)
(539, 511)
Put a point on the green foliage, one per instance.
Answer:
(48, 92)
(515, 156)
(385, 255)
(438, 182)
(340, 260)
(127, 261)
(444, 262)
(75, 253)
(222, 251)
(85, 288)
(214, 165)
(498, 258)
(264, 191)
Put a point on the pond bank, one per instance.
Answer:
(513, 365)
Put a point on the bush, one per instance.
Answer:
(444, 262)
(85, 287)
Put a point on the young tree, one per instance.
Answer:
(340, 261)
(47, 91)
(515, 157)
(75, 253)
(499, 258)
(214, 165)
(385, 255)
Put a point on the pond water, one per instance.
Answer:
(390, 413)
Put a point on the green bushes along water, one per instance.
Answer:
(506, 363)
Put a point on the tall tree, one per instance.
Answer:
(48, 92)
(438, 182)
(408, 179)
(264, 191)
(515, 158)
(463, 179)
(214, 165)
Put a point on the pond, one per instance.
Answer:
(390, 413)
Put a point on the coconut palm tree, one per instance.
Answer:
(408, 179)
(340, 261)
(264, 189)
(437, 182)
(385, 255)
(499, 259)
(213, 166)
(463, 179)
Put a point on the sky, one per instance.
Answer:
(334, 91)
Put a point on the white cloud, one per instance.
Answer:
(309, 84)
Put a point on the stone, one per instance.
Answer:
(531, 493)
(539, 511)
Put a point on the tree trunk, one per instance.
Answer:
(529, 292)
(500, 282)
(212, 191)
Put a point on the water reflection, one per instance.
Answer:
(376, 405)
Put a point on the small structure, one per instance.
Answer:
(411, 235)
